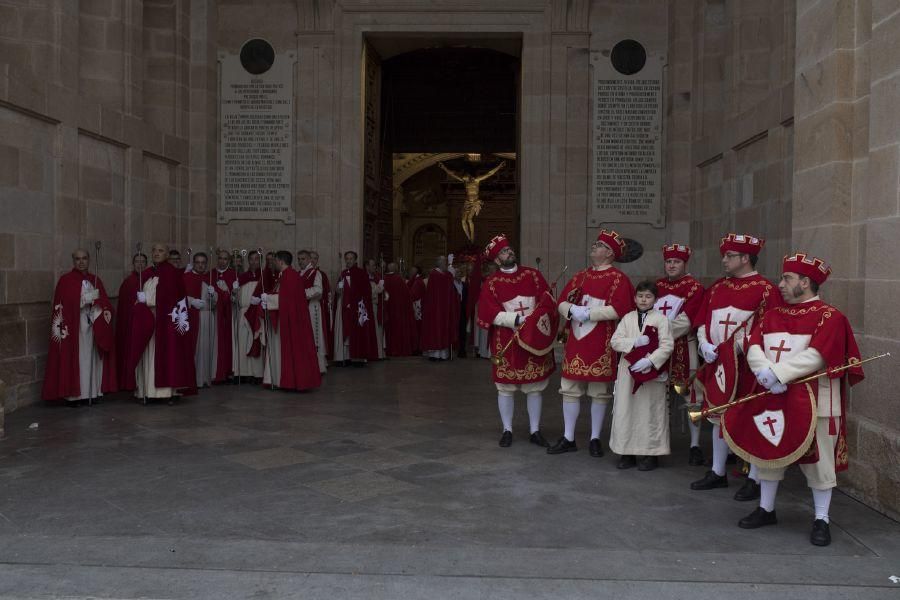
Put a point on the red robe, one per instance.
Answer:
(731, 304)
(357, 316)
(400, 323)
(588, 354)
(821, 326)
(440, 312)
(62, 378)
(127, 298)
(416, 293)
(224, 323)
(503, 292)
(299, 362)
(174, 356)
(682, 296)
(473, 283)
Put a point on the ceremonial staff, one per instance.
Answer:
(498, 359)
(236, 315)
(697, 415)
(262, 279)
(212, 318)
(143, 362)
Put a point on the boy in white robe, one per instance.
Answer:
(640, 425)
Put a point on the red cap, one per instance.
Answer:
(676, 251)
(741, 243)
(497, 243)
(612, 239)
(807, 266)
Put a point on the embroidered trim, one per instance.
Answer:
(602, 367)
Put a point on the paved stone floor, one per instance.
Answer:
(388, 483)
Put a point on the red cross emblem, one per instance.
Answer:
(778, 350)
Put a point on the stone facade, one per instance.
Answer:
(779, 119)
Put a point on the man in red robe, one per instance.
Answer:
(327, 304)
(400, 323)
(507, 298)
(225, 283)
(247, 363)
(440, 313)
(416, 285)
(377, 283)
(355, 340)
(292, 363)
(680, 299)
(167, 363)
(792, 341)
(127, 298)
(730, 306)
(315, 292)
(81, 359)
(592, 302)
(202, 301)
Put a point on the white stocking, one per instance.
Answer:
(505, 403)
(767, 491)
(598, 413)
(534, 410)
(695, 433)
(822, 500)
(570, 416)
(720, 451)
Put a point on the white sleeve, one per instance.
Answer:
(505, 319)
(681, 326)
(666, 344)
(272, 301)
(757, 360)
(314, 292)
(621, 340)
(603, 313)
(564, 308)
(701, 336)
(799, 365)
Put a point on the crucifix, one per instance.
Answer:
(473, 203)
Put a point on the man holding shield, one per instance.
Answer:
(802, 423)
(516, 308)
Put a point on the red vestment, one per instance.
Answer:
(730, 305)
(786, 330)
(174, 356)
(224, 323)
(440, 312)
(324, 305)
(357, 316)
(682, 296)
(127, 298)
(508, 292)
(416, 293)
(588, 354)
(400, 323)
(62, 378)
(299, 363)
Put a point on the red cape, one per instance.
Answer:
(327, 312)
(416, 293)
(174, 360)
(440, 312)
(400, 323)
(126, 299)
(356, 306)
(62, 378)
(299, 363)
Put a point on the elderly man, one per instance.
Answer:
(81, 362)
(314, 282)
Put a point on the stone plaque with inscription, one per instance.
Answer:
(626, 140)
(256, 139)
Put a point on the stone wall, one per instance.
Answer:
(78, 162)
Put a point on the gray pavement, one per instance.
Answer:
(388, 483)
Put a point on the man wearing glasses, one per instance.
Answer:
(729, 307)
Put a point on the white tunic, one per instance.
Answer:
(243, 365)
(640, 422)
(316, 318)
(90, 363)
(206, 352)
(145, 372)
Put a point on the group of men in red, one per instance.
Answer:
(753, 336)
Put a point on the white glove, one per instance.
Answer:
(709, 352)
(449, 259)
(641, 340)
(85, 284)
(222, 285)
(642, 366)
(381, 284)
(254, 300)
(766, 378)
(235, 285)
(142, 297)
(264, 297)
(580, 313)
(198, 304)
(210, 290)
(264, 305)
(90, 297)
(778, 388)
(341, 284)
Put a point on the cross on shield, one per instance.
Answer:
(770, 424)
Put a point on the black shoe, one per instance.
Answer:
(562, 446)
(506, 439)
(710, 481)
(648, 463)
(627, 461)
(695, 458)
(821, 533)
(758, 518)
(595, 448)
(537, 438)
(749, 491)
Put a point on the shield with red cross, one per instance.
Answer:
(774, 430)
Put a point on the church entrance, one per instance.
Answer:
(440, 146)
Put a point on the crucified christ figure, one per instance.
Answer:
(473, 203)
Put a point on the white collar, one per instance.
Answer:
(512, 270)
(601, 267)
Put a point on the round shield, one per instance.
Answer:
(538, 333)
(719, 380)
(774, 430)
